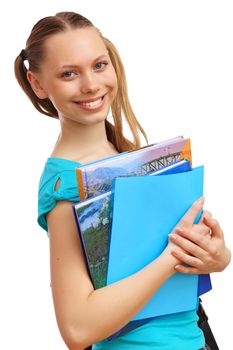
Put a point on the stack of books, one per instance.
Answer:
(129, 204)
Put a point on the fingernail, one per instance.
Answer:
(201, 201)
(172, 235)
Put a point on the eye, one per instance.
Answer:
(101, 65)
(68, 74)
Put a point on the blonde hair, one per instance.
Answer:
(35, 53)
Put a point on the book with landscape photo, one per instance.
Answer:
(96, 177)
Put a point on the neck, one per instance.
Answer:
(83, 143)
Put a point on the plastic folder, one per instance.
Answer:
(145, 210)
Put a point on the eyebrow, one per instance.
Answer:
(76, 66)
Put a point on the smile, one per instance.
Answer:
(92, 105)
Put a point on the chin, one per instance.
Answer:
(92, 120)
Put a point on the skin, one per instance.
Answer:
(77, 305)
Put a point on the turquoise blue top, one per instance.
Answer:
(172, 332)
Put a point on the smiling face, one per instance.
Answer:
(77, 76)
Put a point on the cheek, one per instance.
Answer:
(62, 92)
(57, 96)
(111, 78)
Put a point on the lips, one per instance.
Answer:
(91, 104)
(91, 99)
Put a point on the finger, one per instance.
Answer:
(214, 226)
(206, 214)
(192, 261)
(188, 244)
(201, 228)
(190, 216)
(196, 236)
(201, 225)
(187, 269)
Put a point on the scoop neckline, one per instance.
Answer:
(64, 159)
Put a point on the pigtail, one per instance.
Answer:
(44, 106)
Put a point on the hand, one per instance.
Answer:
(187, 222)
(203, 246)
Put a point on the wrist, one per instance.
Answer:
(169, 259)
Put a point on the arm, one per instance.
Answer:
(79, 308)
(85, 315)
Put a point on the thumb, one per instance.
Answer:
(214, 226)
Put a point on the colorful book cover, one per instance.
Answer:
(145, 210)
(95, 178)
(94, 219)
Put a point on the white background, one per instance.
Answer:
(178, 57)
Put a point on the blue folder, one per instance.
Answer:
(145, 211)
(204, 281)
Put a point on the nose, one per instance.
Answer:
(89, 83)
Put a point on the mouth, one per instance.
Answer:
(91, 104)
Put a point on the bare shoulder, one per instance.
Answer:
(61, 225)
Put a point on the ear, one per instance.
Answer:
(35, 85)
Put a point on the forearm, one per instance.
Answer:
(108, 309)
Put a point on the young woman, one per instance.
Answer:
(74, 74)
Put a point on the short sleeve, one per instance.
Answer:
(48, 195)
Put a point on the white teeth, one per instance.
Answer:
(91, 104)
